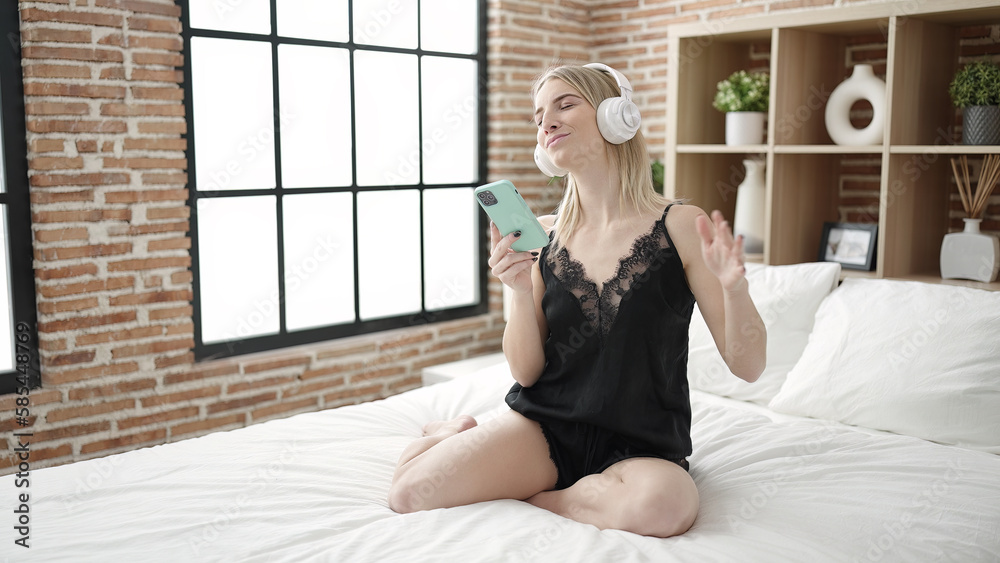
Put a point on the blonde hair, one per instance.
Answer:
(630, 159)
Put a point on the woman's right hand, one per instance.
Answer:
(511, 267)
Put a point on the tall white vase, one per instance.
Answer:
(862, 85)
(970, 255)
(749, 217)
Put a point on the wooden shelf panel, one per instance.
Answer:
(944, 149)
(721, 149)
(827, 149)
(847, 18)
(936, 278)
(836, 149)
(847, 273)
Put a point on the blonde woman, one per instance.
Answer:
(599, 423)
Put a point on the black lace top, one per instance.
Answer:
(617, 359)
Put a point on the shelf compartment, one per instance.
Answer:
(709, 180)
(808, 65)
(923, 57)
(805, 193)
(914, 211)
(807, 177)
(701, 66)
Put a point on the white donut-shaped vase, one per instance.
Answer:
(862, 85)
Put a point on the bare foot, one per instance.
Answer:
(458, 424)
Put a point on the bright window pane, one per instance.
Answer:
(450, 113)
(449, 25)
(231, 87)
(389, 253)
(250, 16)
(392, 23)
(238, 264)
(386, 118)
(450, 242)
(325, 20)
(6, 308)
(315, 93)
(319, 259)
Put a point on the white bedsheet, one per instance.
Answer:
(313, 487)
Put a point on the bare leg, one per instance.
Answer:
(646, 496)
(434, 432)
(458, 464)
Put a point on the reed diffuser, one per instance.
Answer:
(971, 254)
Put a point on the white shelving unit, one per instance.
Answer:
(807, 54)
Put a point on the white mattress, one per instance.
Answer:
(313, 487)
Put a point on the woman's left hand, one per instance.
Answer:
(722, 253)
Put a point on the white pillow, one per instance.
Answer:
(787, 298)
(907, 357)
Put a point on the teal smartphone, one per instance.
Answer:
(510, 213)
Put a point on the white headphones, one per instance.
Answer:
(618, 120)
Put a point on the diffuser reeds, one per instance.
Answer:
(989, 174)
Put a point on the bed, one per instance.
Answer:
(818, 463)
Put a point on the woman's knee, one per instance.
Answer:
(416, 488)
(662, 514)
(503, 458)
(660, 504)
(404, 499)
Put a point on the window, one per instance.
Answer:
(333, 147)
(18, 337)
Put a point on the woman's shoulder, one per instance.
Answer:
(682, 213)
(680, 223)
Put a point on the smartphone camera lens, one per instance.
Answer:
(487, 198)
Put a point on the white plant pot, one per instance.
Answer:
(862, 85)
(748, 219)
(745, 127)
(970, 255)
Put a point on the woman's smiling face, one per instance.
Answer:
(567, 125)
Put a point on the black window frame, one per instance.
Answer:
(285, 338)
(17, 200)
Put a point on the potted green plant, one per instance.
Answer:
(976, 89)
(744, 98)
(656, 167)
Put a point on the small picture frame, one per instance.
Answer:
(850, 244)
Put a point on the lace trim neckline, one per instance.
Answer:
(634, 249)
(600, 306)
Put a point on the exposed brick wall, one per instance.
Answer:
(525, 37)
(105, 130)
(108, 180)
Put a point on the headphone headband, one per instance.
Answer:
(623, 84)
